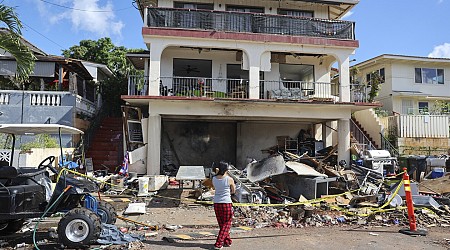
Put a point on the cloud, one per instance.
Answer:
(100, 20)
(440, 1)
(347, 15)
(101, 23)
(441, 51)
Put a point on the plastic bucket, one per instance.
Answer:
(143, 185)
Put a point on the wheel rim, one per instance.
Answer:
(77, 230)
(103, 215)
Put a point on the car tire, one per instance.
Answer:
(107, 212)
(12, 227)
(79, 227)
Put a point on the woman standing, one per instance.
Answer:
(224, 186)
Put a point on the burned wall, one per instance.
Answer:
(252, 137)
(197, 143)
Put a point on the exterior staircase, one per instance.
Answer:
(106, 148)
(361, 136)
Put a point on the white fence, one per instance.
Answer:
(420, 126)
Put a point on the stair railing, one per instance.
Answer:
(93, 126)
(360, 136)
(387, 145)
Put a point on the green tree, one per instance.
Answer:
(10, 41)
(105, 52)
(375, 85)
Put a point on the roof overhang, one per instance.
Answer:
(408, 93)
(31, 129)
(138, 59)
(385, 58)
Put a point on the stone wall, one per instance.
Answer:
(423, 146)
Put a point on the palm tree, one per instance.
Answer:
(10, 41)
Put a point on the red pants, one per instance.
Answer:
(224, 215)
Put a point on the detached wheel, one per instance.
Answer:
(79, 227)
(107, 212)
(11, 227)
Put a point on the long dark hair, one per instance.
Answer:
(222, 168)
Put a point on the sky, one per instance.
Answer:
(403, 27)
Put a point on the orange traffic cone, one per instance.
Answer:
(410, 205)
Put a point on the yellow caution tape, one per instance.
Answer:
(283, 205)
(393, 195)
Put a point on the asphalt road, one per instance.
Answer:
(336, 237)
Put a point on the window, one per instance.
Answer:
(407, 107)
(381, 73)
(423, 108)
(303, 13)
(429, 76)
(195, 6)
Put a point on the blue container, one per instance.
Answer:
(437, 172)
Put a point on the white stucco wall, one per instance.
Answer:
(220, 59)
(403, 79)
(370, 122)
(400, 82)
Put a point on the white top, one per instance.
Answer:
(24, 129)
(223, 192)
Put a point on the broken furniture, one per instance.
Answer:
(313, 188)
(190, 173)
(370, 180)
(246, 191)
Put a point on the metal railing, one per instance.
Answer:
(137, 85)
(298, 90)
(204, 87)
(361, 137)
(235, 88)
(387, 145)
(358, 93)
(229, 21)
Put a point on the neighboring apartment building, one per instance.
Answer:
(59, 90)
(223, 79)
(415, 92)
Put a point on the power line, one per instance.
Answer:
(43, 35)
(70, 8)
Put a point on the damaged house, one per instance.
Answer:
(229, 80)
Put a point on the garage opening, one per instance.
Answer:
(202, 143)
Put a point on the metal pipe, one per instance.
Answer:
(60, 147)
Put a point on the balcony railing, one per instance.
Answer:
(298, 90)
(235, 88)
(249, 22)
(358, 93)
(204, 87)
(137, 85)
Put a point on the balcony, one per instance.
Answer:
(11, 99)
(226, 21)
(235, 88)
